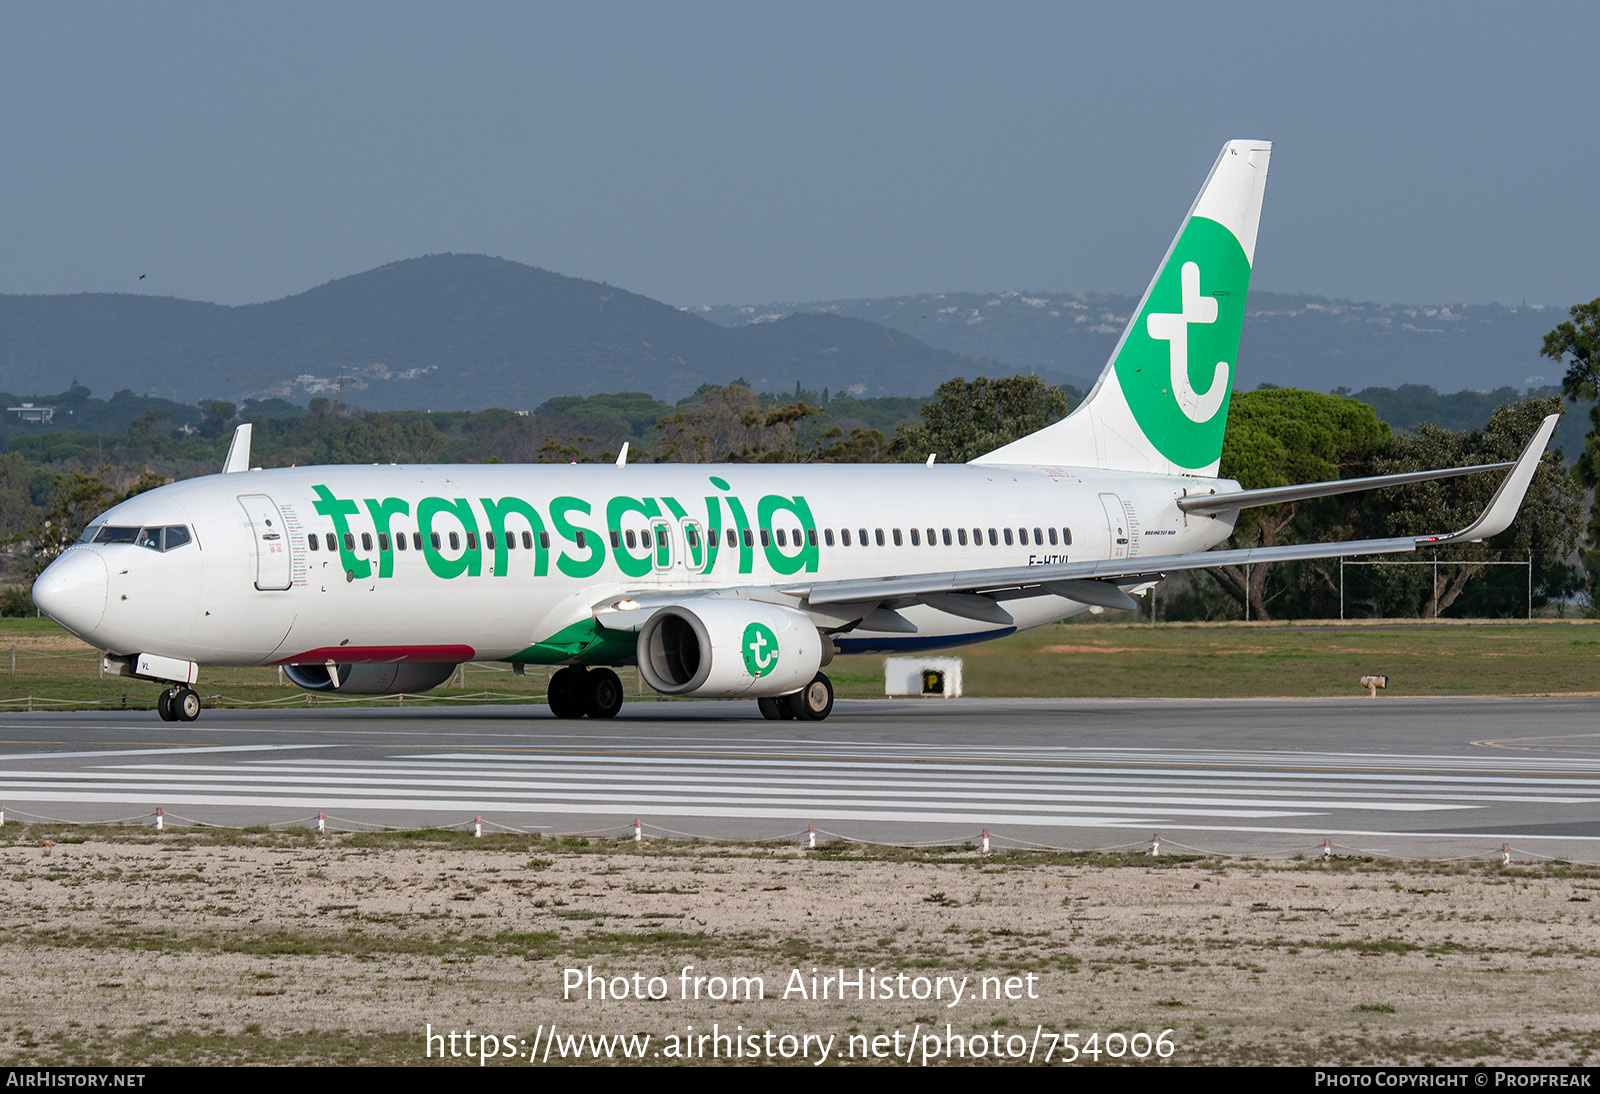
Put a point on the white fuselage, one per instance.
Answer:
(251, 590)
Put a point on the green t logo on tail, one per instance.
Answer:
(1176, 366)
(760, 648)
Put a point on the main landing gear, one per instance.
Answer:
(575, 691)
(178, 704)
(811, 703)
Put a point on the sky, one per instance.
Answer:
(724, 153)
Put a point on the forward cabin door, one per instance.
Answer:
(271, 540)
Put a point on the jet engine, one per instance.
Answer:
(380, 679)
(715, 648)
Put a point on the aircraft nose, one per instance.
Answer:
(72, 591)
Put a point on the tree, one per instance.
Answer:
(966, 418)
(1281, 436)
(1579, 339)
(1547, 525)
(76, 498)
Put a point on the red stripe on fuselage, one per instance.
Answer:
(370, 655)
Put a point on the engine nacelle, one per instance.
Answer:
(714, 647)
(380, 679)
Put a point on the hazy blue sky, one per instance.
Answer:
(744, 152)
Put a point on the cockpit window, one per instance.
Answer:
(153, 538)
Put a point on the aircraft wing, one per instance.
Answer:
(1099, 581)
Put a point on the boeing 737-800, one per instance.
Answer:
(731, 580)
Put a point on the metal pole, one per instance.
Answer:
(1247, 592)
(1435, 586)
(1530, 583)
(1341, 588)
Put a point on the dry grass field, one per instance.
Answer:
(124, 947)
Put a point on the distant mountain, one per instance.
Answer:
(444, 332)
(1289, 340)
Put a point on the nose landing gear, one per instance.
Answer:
(178, 704)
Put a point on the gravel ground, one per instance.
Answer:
(279, 949)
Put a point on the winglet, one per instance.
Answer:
(1502, 508)
(238, 452)
(622, 456)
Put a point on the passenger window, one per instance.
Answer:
(977, 537)
(766, 538)
(783, 539)
(416, 541)
(527, 540)
(1008, 537)
(332, 544)
(947, 538)
(749, 540)
(580, 539)
(616, 539)
(994, 540)
(631, 539)
(1066, 537)
(733, 538)
(349, 541)
(383, 542)
(544, 541)
(400, 541)
(844, 534)
(455, 541)
(1052, 537)
(931, 539)
(1038, 537)
(693, 537)
(916, 540)
(827, 536)
(811, 536)
(313, 542)
(897, 541)
(436, 543)
(661, 537)
(366, 542)
(877, 534)
(961, 534)
(472, 541)
(511, 540)
(488, 540)
(863, 532)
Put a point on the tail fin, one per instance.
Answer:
(1161, 404)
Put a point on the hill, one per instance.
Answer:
(444, 332)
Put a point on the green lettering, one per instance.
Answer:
(382, 512)
(497, 513)
(805, 556)
(572, 565)
(627, 561)
(470, 562)
(338, 509)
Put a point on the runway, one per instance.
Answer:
(1433, 777)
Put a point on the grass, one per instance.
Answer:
(1094, 659)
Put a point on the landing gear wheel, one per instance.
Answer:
(566, 692)
(164, 706)
(186, 705)
(769, 709)
(814, 702)
(785, 707)
(602, 694)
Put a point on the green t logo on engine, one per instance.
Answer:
(760, 648)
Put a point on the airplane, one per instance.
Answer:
(725, 580)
